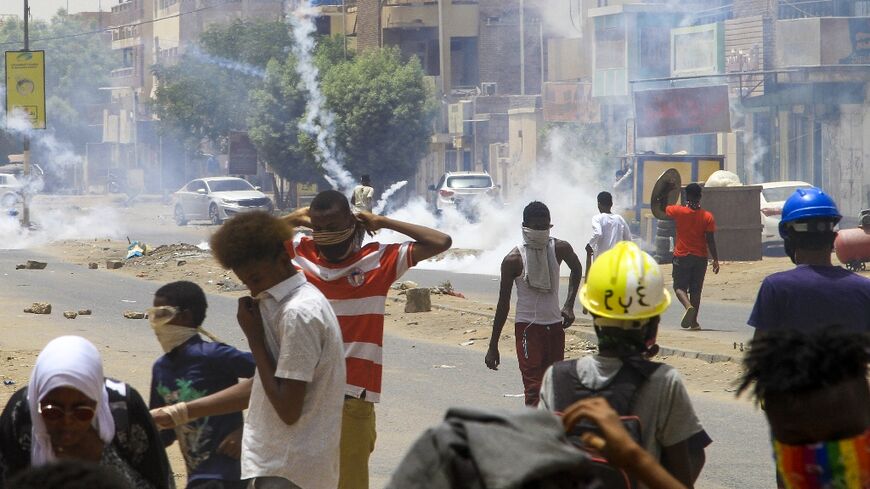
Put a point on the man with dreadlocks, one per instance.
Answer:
(356, 280)
(813, 387)
(695, 240)
(626, 296)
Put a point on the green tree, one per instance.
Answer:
(383, 112)
(273, 124)
(206, 94)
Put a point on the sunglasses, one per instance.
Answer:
(50, 412)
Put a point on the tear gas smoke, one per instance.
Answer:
(319, 121)
(229, 64)
(382, 203)
(568, 184)
(59, 224)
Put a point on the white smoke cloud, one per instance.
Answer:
(385, 197)
(59, 224)
(319, 121)
(567, 184)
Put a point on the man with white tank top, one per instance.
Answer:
(540, 322)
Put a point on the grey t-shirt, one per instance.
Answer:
(662, 402)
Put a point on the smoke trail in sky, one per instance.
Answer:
(382, 203)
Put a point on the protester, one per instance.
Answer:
(607, 228)
(363, 197)
(790, 300)
(356, 280)
(696, 230)
(190, 369)
(813, 388)
(70, 411)
(626, 295)
(293, 425)
(540, 323)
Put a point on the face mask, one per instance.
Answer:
(842, 463)
(337, 245)
(169, 336)
(536, 238)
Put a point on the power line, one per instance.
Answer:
(111, 28)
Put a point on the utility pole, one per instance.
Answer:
(522, 47)
(25, 207)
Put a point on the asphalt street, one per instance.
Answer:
(421, 380)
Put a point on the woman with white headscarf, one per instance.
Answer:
(71, 411)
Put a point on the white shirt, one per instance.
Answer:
(303, 335)
(363, 197)
(607, 230)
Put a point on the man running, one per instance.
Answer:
(356, 280)
(696, 230)
(540, 323)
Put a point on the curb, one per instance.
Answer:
(592, 338)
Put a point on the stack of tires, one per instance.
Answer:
(666, 231)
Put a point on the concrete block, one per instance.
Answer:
(93, 266)
(35, 265)
(134, 315)
(85, 312)
(39, 308)
(418, 300)
(114, 264)
(70, 314)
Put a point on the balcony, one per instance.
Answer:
(123, 77)
(823, 49)
(802, 9)
(129, 12)
(461, 19)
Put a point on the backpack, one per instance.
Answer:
(620, 392)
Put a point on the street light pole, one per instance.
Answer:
(25, 207)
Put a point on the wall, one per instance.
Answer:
(746, 8)
(845, 153)
(499, 45)
(368, 28)
(523, 127)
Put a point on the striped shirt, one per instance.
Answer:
(357, 289)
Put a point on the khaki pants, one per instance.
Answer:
(357, 443)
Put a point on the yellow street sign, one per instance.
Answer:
(25, 85)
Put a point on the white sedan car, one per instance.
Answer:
(217, 199)
(773, 196)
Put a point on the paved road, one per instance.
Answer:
(416, 392)
(725, 320)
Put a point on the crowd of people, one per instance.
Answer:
(314, 322)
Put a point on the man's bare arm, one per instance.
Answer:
(429, 242)
(714, 253)
(565, 252)
(510, 269)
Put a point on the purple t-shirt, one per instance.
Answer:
(811, 297)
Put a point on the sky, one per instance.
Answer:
(44, 9)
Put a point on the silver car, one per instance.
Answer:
(217, 199)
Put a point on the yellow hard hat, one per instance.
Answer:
(625, 283)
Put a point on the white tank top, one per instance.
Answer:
(537, 306)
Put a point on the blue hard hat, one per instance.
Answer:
(808, 204)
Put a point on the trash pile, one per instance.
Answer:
(175, 255)
(446, 288)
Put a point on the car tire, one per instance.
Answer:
(214, 215)
(180, 219)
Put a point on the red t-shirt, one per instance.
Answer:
(692, 228)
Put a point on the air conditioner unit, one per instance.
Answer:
(488, 89)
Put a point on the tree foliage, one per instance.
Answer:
(383, 112)
(206, 94)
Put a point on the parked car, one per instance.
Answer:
(773, 196)
(463, 190)
(217, 199)
(10, 190)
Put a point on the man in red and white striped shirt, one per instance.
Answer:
(356, 280)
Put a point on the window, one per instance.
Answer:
(470, 181)
(230, 185)
(196, 185)
(3, 180)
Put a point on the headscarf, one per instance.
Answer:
(67, 361)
